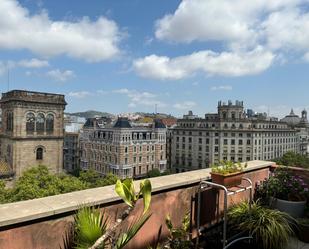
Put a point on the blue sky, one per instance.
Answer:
(130, 55)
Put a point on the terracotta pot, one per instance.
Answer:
(229, 180)
(303, 233)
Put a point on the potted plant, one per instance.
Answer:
(285, 192)
(303, 227)
(269, 228)
(227, 173)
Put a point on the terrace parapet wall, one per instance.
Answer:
(42, 223)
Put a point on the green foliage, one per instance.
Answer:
(283, 185)
(179, 237)
(270, 228)
(126, 191)
(125, 238)
(156, 173)
(153, 173)
(90, 224)
(38, 182)
(227, 167)
(3, 192)
(293, 159)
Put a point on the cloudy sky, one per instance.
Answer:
(130, 55)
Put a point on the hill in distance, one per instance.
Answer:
(91, 114)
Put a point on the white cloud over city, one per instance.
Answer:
(60, 75)
(209, 62)
(138, 98)
(92, 41)
(251, 33)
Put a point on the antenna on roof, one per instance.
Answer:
(8, 77)
(155, 108)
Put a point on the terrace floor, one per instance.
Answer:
(297, 244)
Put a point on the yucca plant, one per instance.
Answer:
(126, 190)
(270, 228)
(90, 224)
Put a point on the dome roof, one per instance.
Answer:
(291, 119)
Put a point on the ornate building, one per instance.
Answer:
(229, 134)
(32, 131)
(123, 149)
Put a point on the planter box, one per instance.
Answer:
(229, 180)
(303, 233)
(294, 208)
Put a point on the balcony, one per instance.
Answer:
(46, 220)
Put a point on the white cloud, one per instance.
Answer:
(221, 88)
(33, 63)
(219, 20)
(80, 94)
(61, 76)
(252, 34)
(211, 63)
(140, 98)
(92, 41)
(184, 105)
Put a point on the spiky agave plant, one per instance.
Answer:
(90, 224)
(270, 228)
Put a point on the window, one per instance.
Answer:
(40, 121)
(50, 123)
(9, 121)
(30, 120)
(39, 153)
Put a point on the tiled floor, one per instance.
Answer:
(296, 244)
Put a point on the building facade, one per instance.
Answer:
(71, 151)
(229, 134)
(123, 149)
(32, 131)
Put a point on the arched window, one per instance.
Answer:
(50, 123)
(30, 120)
(39, 153)
(40, 123)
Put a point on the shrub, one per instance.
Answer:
(227, 167)
(270, 228)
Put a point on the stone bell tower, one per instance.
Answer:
(32, 131)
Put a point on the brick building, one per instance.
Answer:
(123, 149)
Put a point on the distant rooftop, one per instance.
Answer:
(122, 122)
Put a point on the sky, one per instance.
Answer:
(134, 55)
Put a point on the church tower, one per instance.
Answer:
(32, 131)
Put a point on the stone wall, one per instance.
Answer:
(42, 223)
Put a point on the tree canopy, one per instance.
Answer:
(39, 182)
(293, 159)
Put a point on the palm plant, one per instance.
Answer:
(270, 228)
(93, 229)
(91, 224)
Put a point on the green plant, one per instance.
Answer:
(109, 235)
(91, 224)
(283, 185)
(270, 228)
(179, 237)
(227, 167)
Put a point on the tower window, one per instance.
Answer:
(50, 123)
(9, 121)
(30, 120)
(40, 122)
(39, 154)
